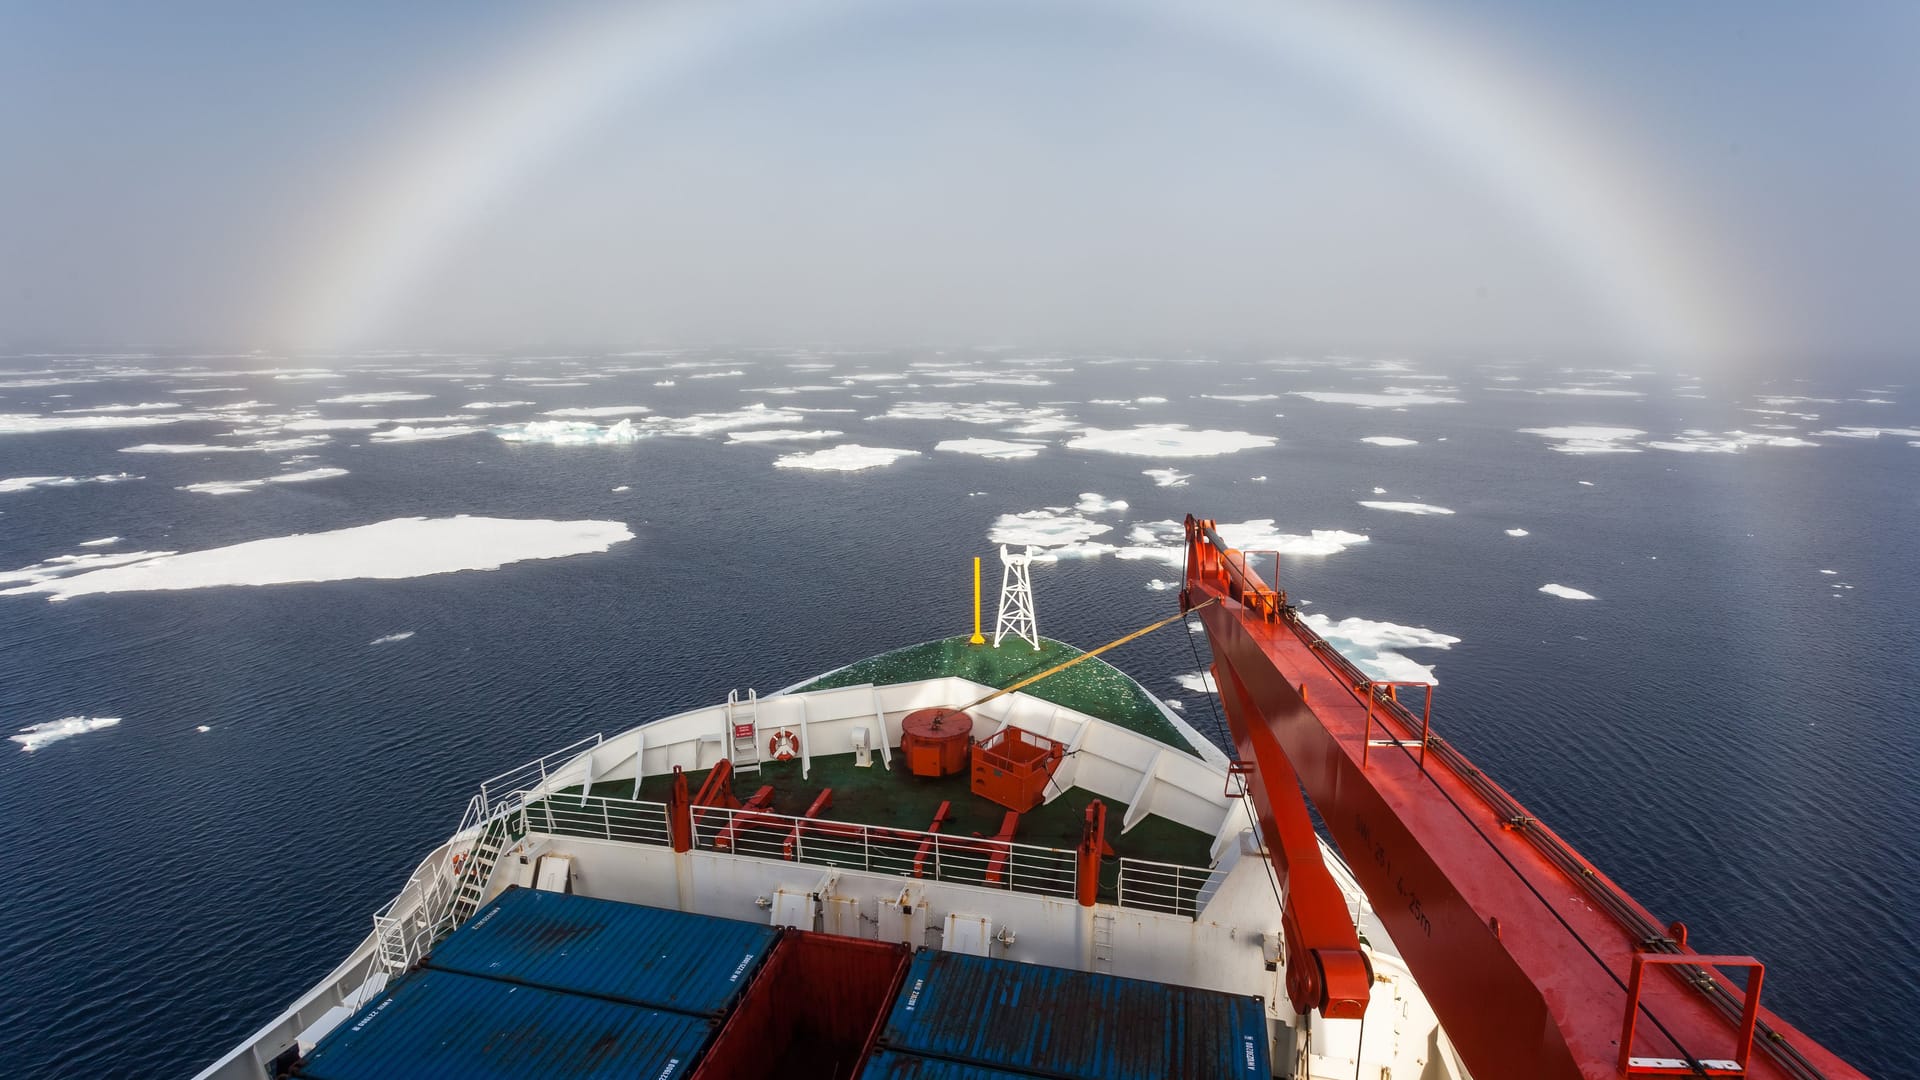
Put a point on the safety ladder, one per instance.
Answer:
(743, 731)
(1103, 943)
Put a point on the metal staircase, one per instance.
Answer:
(476, 869)
(743, 734)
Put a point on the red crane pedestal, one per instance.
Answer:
(1014, 766)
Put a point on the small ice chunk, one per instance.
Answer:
(390, 638)
(374, 399)
(1516, 532)
(1566, 592)
(1388, 440)
(1196, 682)
(105, 540)
(623, 487)
(203, 729)
(991, 448)
(1167, 477)
(1091, 503)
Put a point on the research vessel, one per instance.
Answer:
(987, 860)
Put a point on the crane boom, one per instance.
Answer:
(1534, 961)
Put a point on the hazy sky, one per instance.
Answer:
(1702, 180)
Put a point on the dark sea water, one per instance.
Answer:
(1725, 730)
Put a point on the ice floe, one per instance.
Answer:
(316, 423)
(1392, 398)
(991, 448)
(391, 638)
(484, 406)
(1588, 439)
(781, 435)
(1095, 503)
(1863, 432)
(145, 406)
(1388, 440)
(386, 550)
(1242, 398)
(1167, 440)
(1404, 507)
(26, 483)
(101, 542)
(34, 736)
(1196, 682)
(378, 398)
(266, 446)
(570, 433)
(1167, 477)
(33, 424)
(1056, 530)
(847, 457)
(410, 433)
(1566, 592)
(598, 411)
(1731, 442)
(1516, 532)
(1374, 646)
(240, 487)
(1015, 417)
(1163, 541)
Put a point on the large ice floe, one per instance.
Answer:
(32, 424)
(241, 487)
(1588, 438)
(1730, 442)
(1016, 418)
(386, 550)
(262, 446)
(780, 435)
(1566, 592)
(847, 457)
(34, 736)
(570, 433)
(1167, 440)
(991, 448)
(1404, 507)
(28, 483)
(380, 398)
(1393, 397)
(1374, 647)
(1059, 532)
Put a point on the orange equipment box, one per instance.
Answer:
(1014, 766)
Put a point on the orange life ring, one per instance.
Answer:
(783, 746)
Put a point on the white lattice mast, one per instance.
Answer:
(1016, 600)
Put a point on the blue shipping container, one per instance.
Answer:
(433, 1025)
(893, 1065)
(1075, 1025)
(694, 964)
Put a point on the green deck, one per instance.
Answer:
(1094, 687)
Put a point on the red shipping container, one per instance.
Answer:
(812, 1011)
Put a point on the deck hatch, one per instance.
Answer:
(1073, 1025)
(435, 1024)
(694, 964)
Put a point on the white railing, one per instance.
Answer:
(967, 860)
(498, 794)
(635, 821)
(1158, 886)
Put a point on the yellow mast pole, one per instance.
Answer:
(976, 639)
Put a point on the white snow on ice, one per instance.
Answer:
(1566, 592)
(240, 487)
(1095, 503)
(1167, 477)
(375, 398)
(1168, 440)
(1588, 439)
(847, 457)
(27, 483)
(34, 736)
(1389, 440)
(1374, 646)
(780, 435)
(991, 448)
(1404, 507)
(570, 433)
(387, 550)
(1394, 397)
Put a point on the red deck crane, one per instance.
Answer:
(1536, 963)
